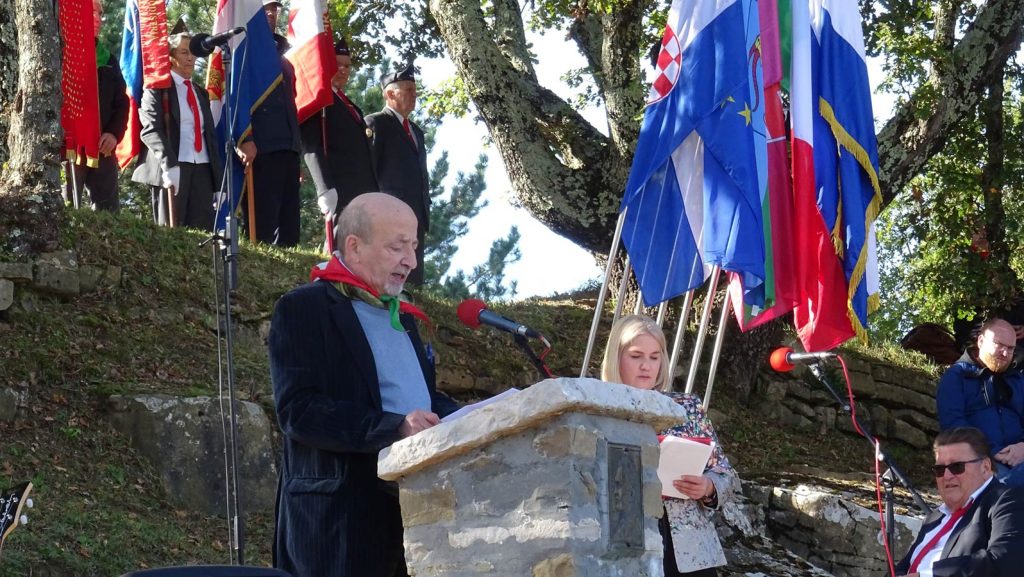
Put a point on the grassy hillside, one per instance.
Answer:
(99, 507)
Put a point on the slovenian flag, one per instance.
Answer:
(145, 63)
(255, 72)
(312, 55)
(693, 198)
(845, 150)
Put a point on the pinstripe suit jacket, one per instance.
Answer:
(334, 516)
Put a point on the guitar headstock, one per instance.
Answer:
(12, 503)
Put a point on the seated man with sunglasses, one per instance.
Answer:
(979, 528)
(985, 390)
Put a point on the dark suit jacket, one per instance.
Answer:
(347, 163)
(987, 542)
(334, 516)
(401, 167)
(113, 99)
(162, 141)
(275, 122)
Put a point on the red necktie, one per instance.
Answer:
(194, 107)
(408, 131)
(934, 540)
(351, 109)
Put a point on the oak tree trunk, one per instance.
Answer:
(31, 207)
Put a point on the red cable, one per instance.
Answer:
(878, 476)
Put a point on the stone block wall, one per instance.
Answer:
(538, 503)
(56, 273)
(894, 403)
(830, 530)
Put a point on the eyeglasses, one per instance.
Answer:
(956, 468)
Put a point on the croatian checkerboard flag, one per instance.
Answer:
(693, 195)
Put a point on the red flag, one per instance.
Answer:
(80, 113)
(312, 55)
(145, 63)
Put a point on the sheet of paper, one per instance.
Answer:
(470, 408)
(681, 456)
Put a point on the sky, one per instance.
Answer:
(550, 264)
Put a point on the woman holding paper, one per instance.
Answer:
(636, 357)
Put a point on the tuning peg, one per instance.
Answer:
(24, 519)
(29, 503)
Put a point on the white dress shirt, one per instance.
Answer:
(186, 143)
(925, 567)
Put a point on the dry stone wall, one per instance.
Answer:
(892, 402)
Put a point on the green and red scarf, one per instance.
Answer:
(354, 287)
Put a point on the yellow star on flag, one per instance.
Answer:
(745, 113)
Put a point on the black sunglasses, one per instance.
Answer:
(956, 468)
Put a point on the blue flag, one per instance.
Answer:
(693, 198)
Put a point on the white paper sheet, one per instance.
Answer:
(681, 456)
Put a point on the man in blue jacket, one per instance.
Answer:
(987, 392)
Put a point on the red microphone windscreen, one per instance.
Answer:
(469, 312)
(779, 360)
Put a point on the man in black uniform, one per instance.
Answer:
(400, 155)
(273, 152)
(336, 147)
(101, 182)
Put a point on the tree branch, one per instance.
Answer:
(912, 136)
(562, 169)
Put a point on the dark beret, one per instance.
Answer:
(341, 47)
(407, 73)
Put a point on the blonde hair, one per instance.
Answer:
(623, 332)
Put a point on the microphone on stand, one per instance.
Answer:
(202, 44)
(473, 313)
(784, 359)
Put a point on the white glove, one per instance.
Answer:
(219, 199)
(327, 201)
(172, 177)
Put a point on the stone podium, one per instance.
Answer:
(557, 480)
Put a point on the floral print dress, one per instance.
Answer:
(694, 538)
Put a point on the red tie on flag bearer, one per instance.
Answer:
(197, 129)
(408, 131)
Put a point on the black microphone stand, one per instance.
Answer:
(892, 470)
(524, 344)
(226, 279)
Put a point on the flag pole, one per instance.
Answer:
(662, 310)
(639, 306)
(705, 319)
(716, 352)
(76, 195)
(251, 200)
(627, 269)
(677, 343)
(616, 239)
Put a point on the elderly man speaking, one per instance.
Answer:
(977, 532)
(351, 376)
